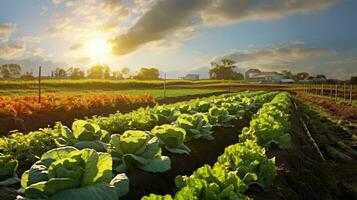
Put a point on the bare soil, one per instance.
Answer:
(346, 112)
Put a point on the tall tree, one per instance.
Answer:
(96, 72)
(302, 76)
(10, 71)
(117, 75)
(60, 73)
(76, 73)
(125, 72)
(225, 70)
(106, 72)
(148, 74)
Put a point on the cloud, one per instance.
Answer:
(11, 51)
(167, 17)
(5, 31)
(76, 46)
(223, 12)
(164, 18)
(37, 52)
(276, 58)
(345, 61)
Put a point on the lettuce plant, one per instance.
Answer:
(140, 149)
(8, 167)
(271, 124)
(235, 109)
(212, 183)
(69, 173)
(220, 117)
(172, 138)
(202, 106)
(196, 126)
(83, 135)
(166, 114)
(249, 157)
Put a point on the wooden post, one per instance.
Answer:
(322, 89)
(336, 91)
(39, 84)
(164, 85)
(351, 92)
(330, 91)
(344, 91)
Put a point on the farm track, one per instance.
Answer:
(26, 124)
(202, 152)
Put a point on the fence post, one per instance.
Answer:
(351, 92)
(330, 91)
(39, 84)
(164, 85)
(336, 92)
(322, 89)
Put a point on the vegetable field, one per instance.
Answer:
(246, 145)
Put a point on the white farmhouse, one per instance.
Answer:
(255, 75)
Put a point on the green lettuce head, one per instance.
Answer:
(83, 135)
(219, 117)
(69, 173)
(8, 167)
(172, 138)
(140, 149)
(249, 158)
(196, 126)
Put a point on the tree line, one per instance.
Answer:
(222, 70)
(13, 71)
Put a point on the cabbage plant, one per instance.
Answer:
(68, 173)
(196, 126)
(249, 157)
(140, 149)
(235, 109)
(212, 183)
(8, 167)
(83, 135)
(166, 114)
(172, 138)
(220, 117)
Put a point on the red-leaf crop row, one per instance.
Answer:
(27, 105)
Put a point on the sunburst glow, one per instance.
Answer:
(97, 49)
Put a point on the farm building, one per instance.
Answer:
(255, 75)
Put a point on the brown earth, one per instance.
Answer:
(346, 112)
(202, 152)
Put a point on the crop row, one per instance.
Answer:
(28, 105)
(76, 170)
(243, 164)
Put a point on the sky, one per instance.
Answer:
(181, 36)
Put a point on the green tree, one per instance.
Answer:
(60, 73)
(117, 75)
(225, 70)
(106, 72)
(148, 74)
(10, 71)
(302, 76)
(353, 80)
(125, 72)
(96, 72)
(76, 73)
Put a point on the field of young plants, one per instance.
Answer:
(246, 145)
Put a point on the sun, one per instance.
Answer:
(97, 49)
